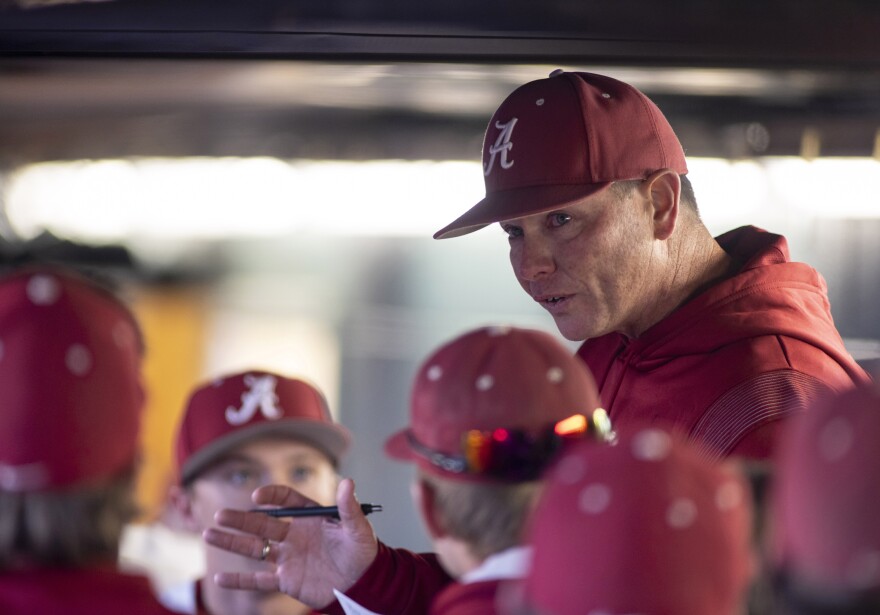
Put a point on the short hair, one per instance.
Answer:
(622, 188)
(489, 517)
(687, 194)
(66, 528)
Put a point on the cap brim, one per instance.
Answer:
(514, 203)
(332, 440)
(397, 446)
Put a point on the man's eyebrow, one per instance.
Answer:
(306, 456)
(234, 458)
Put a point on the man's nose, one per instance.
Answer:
(532, 259)
(279, 476)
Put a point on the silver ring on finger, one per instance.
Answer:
(267, 546)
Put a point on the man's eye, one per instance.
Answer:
(512, 231)
(301, 474)
(241, 476)
(558, 219)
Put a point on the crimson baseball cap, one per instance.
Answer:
(487, 379)
(826, 494)
(644, 526)
(555, 141)
(70, 373)
(227, 412)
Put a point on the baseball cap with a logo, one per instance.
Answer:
(496, 404)
(644, 526)
(555, 141)
(230, 411)
(70, 375)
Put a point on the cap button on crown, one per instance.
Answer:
(485, 382)
(557, 72)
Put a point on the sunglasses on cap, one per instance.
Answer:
(515, 454)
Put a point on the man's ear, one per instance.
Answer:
(180, 503)
(663, 190)
(425, 497)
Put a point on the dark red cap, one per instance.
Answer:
(827, 494)
(227, 412)
(555, 141)
(70, 372)
(643, 526)
(490, 378)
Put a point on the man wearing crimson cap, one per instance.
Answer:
(647, 526)
(720, 340)
(70, 375)
(489, 411)
(237, 433)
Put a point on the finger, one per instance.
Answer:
(249, 546)
(264, 581)
(280, 495)
(255, 523)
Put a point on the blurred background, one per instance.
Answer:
(262, 179)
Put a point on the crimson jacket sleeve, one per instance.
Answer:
(398, 581)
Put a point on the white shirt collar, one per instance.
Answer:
(511, 563)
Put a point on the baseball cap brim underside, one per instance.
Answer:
(397, 446)
(332, 440)
(517, 202)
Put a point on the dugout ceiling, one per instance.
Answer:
(361, 79)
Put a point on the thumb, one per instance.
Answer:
(359, 547)
(349, 506)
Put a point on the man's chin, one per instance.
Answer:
(571, 333)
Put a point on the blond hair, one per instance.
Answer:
(489, 517)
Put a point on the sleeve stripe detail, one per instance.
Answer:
(768, 396)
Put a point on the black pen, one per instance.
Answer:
(314, 511)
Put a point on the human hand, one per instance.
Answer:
(312, 555)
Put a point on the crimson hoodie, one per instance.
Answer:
(730, 364)
(725, 368)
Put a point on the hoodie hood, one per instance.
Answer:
(768, 325)
(769, 296)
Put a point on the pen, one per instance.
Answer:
(314, 511)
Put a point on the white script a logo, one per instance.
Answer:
(502, 145)
(261, 395)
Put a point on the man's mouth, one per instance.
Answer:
(551, 300)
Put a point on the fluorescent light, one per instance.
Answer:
(223, 198)
(204, 198)
(828, 187)
(728, 192)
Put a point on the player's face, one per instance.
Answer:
(587, 264)
(229, 482)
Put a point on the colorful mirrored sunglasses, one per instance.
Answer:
(515, 454)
